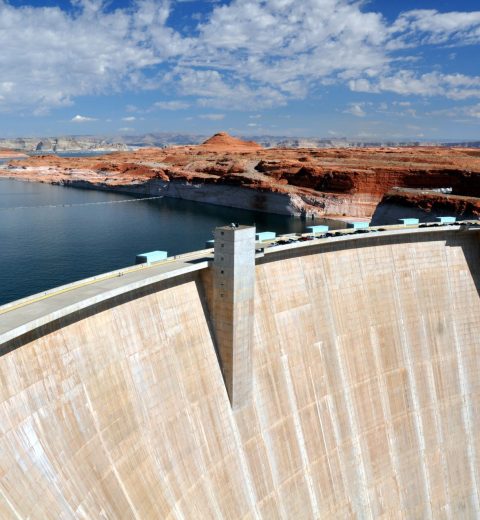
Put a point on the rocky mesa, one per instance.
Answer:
(224, 170)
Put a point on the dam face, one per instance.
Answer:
(364, 400)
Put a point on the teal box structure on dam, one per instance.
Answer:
(265, 235)
(152, 256)
(358, 224)
(317, 229)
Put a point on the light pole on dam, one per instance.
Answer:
(233, 307)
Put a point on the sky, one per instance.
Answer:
(377, 69)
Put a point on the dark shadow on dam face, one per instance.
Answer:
(470, 244)
(205, 299)
(65, 321)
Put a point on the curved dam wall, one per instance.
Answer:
(366, 383)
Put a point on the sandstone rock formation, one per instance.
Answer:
(223, 142)
(225, 170)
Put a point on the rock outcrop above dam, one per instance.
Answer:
(226, 170)
(365, 384)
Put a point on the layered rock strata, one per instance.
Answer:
(327, 182)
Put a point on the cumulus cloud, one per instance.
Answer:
(129, 118)
(171, 105)
(50, 56)
(406, 82)
(224, 90)
(82, 119)
(469, 111)
(356, 109)
(428, 26)
(282, 47)
(212, 117)
(256, 54)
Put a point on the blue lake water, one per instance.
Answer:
(44, 244)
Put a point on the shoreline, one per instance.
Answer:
(237, 197)
(310, 183)
(6, 154)
(229, 195)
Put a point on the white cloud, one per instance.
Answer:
(286, 45)
(171, 105)
(470, 111)
(405, 82)
(82, 119)
(212, 117)
(428, 26)
(473, 111)
(223, 91)
(53, 56)
(129, 118)
(356, 109)
(251, 54)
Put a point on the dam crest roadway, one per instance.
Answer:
(357, 374)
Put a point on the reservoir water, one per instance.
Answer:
(52, 235)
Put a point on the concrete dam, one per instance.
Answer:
(334, 378)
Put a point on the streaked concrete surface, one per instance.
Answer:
(366, 379)
(24, 316)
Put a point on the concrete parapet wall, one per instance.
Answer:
(365, 386)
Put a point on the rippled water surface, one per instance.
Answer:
(52, 235)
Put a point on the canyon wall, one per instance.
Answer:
(227, 171)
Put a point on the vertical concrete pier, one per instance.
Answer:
(233, 305)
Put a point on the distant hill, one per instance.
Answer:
(223, 141)
(62, 144)
(165, 139)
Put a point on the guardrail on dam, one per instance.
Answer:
(365, 383)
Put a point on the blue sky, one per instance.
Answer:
(327, 68)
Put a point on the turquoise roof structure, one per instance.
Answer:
(317, 229)
(265, 235)
(447, 220)
(360, 224)
(409, 221)
(152, 256)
